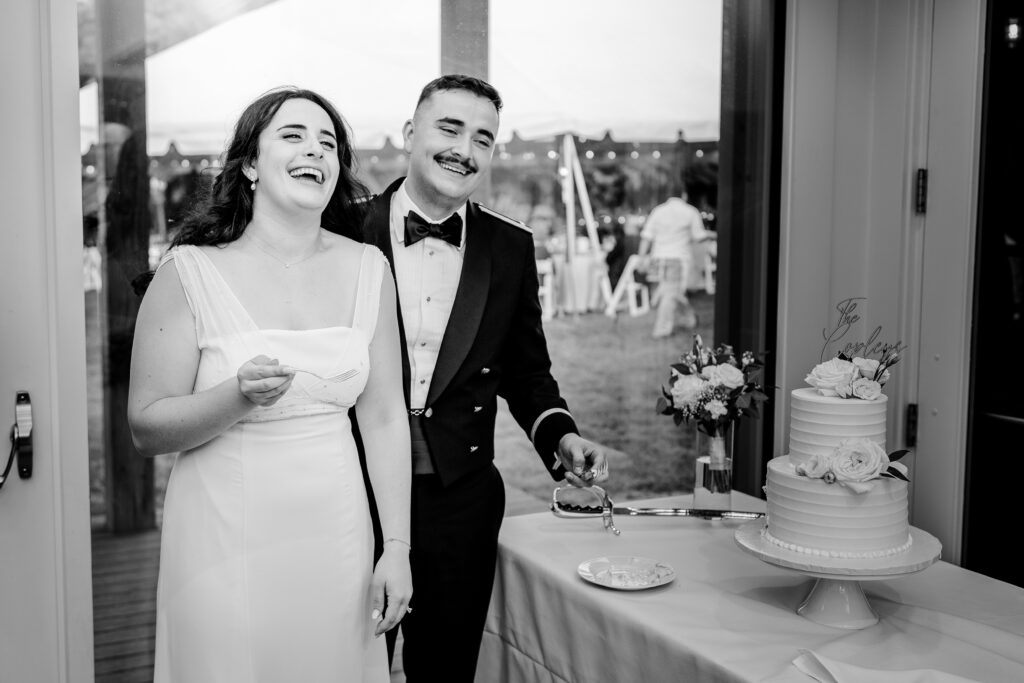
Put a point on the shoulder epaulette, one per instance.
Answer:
(510, 221)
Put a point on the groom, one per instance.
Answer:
(470, 319)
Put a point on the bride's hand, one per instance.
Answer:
(264, 380)
(391, 578)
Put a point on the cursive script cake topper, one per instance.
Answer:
(848, 316)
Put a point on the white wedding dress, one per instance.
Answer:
(267, 548)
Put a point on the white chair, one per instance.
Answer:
(637, 295)
(710, 266)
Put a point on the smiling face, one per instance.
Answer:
(450, 142)
(297, 166)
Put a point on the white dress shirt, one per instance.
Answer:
(428, 275)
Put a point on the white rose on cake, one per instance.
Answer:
(814, 467)
(855, 462)
(867, 389)
(724, 374)
(687, 389)
(844, 390)
(868, 367)
(832, 376)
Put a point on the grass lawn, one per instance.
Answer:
(610, 372)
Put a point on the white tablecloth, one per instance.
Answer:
(727, 616)
(576, 285)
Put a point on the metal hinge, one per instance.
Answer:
(910, 428)
(921, 191)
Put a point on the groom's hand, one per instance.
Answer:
(585, 462)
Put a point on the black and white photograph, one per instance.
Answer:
(511, 341)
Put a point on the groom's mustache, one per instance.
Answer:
(453, 161)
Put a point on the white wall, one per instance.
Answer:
(45, 584)
(858, 121)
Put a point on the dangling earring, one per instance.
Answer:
(253, 186)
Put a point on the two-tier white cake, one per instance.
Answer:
(809, 515)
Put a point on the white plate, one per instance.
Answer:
(626, 573)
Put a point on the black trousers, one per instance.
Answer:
(454, 551)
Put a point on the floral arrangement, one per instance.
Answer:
(847, 377)
(712, 388)
(855, 464)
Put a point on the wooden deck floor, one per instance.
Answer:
(124, 572)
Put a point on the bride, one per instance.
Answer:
(262, 326)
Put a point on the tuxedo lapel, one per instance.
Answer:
(377, 231)
(468, 308)
(378, 223)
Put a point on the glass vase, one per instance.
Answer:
(712, 484)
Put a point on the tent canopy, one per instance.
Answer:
(643, 70)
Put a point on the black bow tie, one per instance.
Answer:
(417, 227)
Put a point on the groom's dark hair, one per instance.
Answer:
(471, 84)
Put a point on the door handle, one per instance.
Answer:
(23, 433)
(21, 438)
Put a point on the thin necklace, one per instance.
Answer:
(268, 250)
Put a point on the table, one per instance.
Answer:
(727, 616)
(576, 286)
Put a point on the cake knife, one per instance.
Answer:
(608, 509)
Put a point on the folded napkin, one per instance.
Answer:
(828, 670)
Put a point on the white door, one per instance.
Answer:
(953, 107)
(45, 585)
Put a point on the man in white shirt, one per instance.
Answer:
(470, 319)
(668, 236)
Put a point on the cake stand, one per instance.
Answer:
(837, 598)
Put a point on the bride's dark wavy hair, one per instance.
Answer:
(223, 215)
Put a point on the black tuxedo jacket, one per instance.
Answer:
(494, 345)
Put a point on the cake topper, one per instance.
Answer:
(848, 315)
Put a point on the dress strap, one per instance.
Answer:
(373, 267)
(217, 311)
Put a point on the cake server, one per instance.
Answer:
(607, 509)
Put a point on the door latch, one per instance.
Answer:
(23, 433)
(21, 438)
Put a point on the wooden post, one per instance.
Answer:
(569, 197)
(464, 51)
(464, 37)
(125, 232)
(746, 283)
